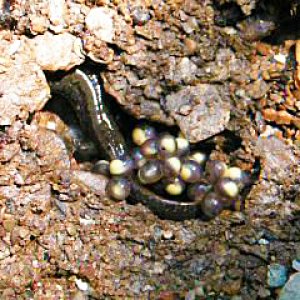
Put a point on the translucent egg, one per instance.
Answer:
(149, 148)
(197, 191)
(211, 205)
(174, 186)
(191, 171)
(172, 166)
(142, 133)
(102, 167)
(120, 167)
(199, 157)
(227, 187)
(150, 172)
(138, 158)
(183, 146)
(118, 188)
(166, 145)
(215, 169)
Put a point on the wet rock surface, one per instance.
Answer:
(198, 66)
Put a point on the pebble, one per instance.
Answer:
(82, 285)
(99, 22)
(277, 275)
(291, 290)
(296, 265)
(205, 118)
(9, 224)
(168, 234)
(57, 52)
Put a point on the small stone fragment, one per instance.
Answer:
(277, 275)
(291, 290)
(57, 52)
(99, 22)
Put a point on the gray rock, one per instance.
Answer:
(277, 275)
(278, 159)
(291, 290)
(200, 111)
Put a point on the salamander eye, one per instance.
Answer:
(118, 188)
(142, 133)
(150, 172)
(174, 186)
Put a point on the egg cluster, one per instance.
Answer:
(168, 167)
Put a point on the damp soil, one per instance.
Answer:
(61, 236)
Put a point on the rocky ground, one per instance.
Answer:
(225, 73)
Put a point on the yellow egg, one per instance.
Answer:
(138, 136)
(174, 189)
(117, 167)
(183, 145)
(199, 157)
(174, 164)
(233, 173)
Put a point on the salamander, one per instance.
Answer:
(85, 93)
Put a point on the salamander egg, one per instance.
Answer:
(172, 166)
(142, 133)
(149, 148)
(118, 188)
(101, 167)
(174, 186)
(191, 171)
(211, 205)
(120, 167)
(183, 146)
(138, 158)
(197, 191)
(215, 169)
(199, 157)
(166, 145)
(227, 187)
(241, 177)
(150, 172)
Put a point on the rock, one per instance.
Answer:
(291, 290)
(296, 265)
(57, 12)
(257, 89)
(199, 111)
(23, 88)
(57, 52)
(99, 22)
(277, 275)
(38, 24)
(278, 159)
(95, 182)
